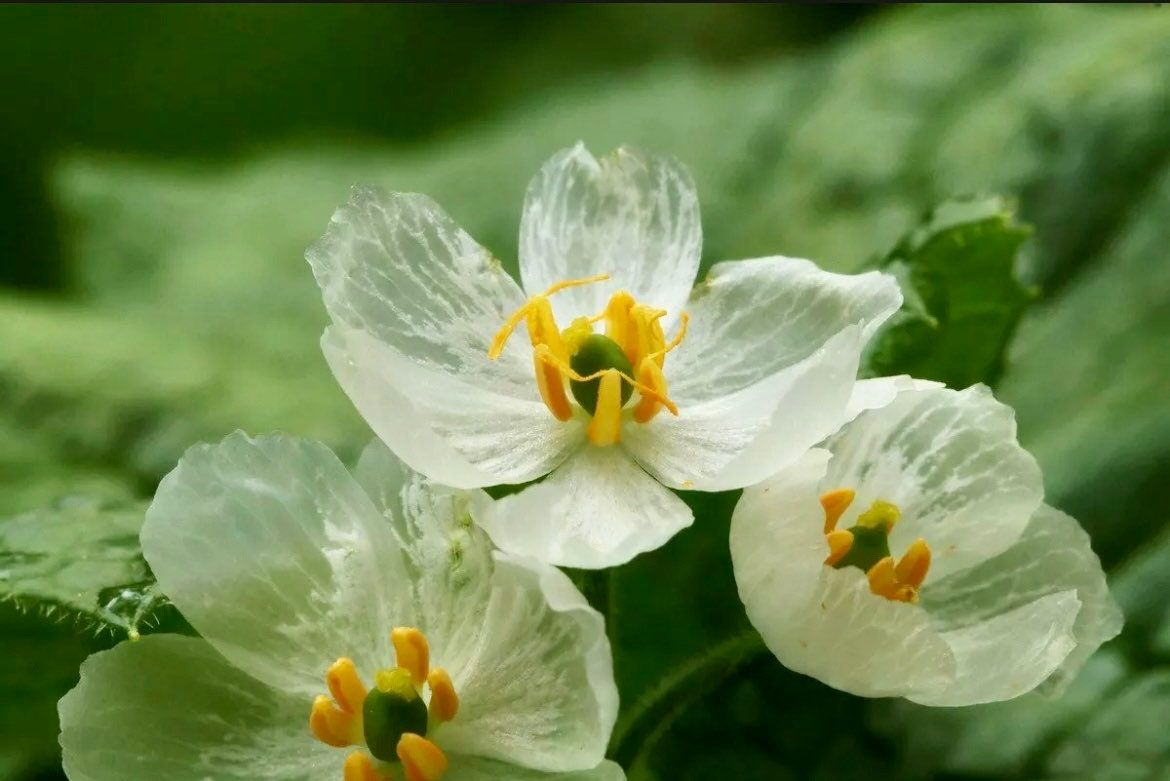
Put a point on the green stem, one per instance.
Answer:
(654, 714)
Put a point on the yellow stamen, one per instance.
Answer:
(421, 759)
(333, 726)
(650, 375)
(606, 426)
(648, 338)
(544, 354)
(684, 320)
(617, 321)
(880, 513)
(835, 503)
(840, 541)
(551, 385)
(882, 580)
(444, 701)
(413, 652)
(345, 685)
(538, 312)
(360, 767)
(578, 331)
(914, 564)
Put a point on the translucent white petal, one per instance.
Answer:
(170, 707)
(538, 689)
(528, 657)
(1010, 654)
(742, 438)
(877, 392)
(950, 461)
(599, 509)
(821, 621)
(477, 769)
(452, 429)
(397, 267)
(276, 556)
(630, 213)
(448, 559)
(752, 318)
(1053, 556)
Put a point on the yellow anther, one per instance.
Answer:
(650, 375)
(840, 541)
(835, 503)
(882, 579)
(333, 726)
(413, 653)
(542, 328)
(606, 426)
(880, 513)
(618, 325)
(914, 564)
(345, 685)
(360, 767)
(421, 759)
(550, 382)
(444, 701)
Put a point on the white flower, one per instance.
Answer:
(763, 372)
(296, 573)
(914, 557)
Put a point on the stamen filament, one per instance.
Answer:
(497, 346)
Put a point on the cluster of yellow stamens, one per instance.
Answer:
(601, 371)
(391, 720)
(866, 546)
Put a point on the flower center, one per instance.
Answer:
(601, 370)
(866, 545)
(391, 720)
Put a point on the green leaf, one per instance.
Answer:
(81, 557)
(962, 295)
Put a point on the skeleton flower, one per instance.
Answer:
(605, 369)
(354, 627)
(914, 557)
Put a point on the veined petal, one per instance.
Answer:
(277, 557)
(744, 437)
(950, 461)
(479, 769)
(752, 318)
(821, 621)
(538, 689)
(1009, 654)
(449, 428)
(448, 559)
(397, 267)
(171, 707)
(630, 214)
(599, 509)
(877, 392)
(1053, 557)
(528, 656)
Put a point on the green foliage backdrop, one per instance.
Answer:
(155, 295)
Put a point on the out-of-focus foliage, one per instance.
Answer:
(963, 298)
(184, 308)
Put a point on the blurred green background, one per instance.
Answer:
(163, 168)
